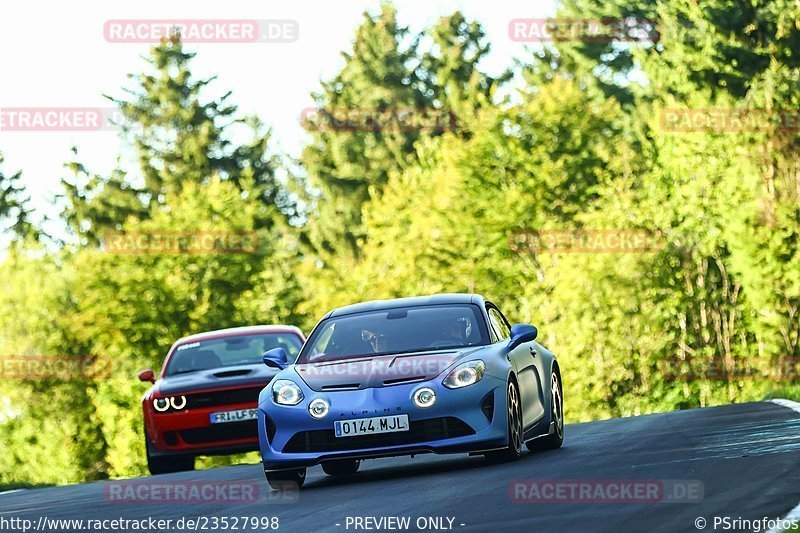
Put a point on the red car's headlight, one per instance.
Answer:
(162, 405)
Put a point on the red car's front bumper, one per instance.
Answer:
(190, 431)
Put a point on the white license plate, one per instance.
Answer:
(371, 426)
(240, 415)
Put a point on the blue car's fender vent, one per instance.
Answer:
(271, 429)
(420, 431)
(487, 406)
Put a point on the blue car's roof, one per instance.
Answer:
(379, 305)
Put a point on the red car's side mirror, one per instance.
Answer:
(147, 375)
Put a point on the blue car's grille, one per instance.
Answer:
(420, 431)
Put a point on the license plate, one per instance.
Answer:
(223, 417)
(371, 426)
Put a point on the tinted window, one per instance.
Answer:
(230, 351)
(403, 330)
(499, 324)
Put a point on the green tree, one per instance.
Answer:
(347, 165)
(451, 68)
(177, 137)
(13, 204)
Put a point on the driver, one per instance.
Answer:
(455, 331)
(376, 341)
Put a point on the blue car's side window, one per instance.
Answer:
(499, 327)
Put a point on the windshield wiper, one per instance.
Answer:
(185, 371)
(349, 358)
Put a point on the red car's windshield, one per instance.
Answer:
(229, 351)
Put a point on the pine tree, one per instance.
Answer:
(177, 137)
(450, 68)
(13, 204)
(347, 166)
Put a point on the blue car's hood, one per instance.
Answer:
(379, 371)
(224, 377)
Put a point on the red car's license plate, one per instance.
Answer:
(240, 415)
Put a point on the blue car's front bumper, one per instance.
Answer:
(472, 418)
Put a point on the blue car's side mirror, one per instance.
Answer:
(521, 333)
(275, 358)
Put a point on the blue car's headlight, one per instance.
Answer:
(465, 374)
(286, 392)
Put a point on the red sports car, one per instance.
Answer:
(206, 400)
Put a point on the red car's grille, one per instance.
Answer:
(419, 431)
(224, 397)
(217, 433)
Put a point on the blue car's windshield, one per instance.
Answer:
(229, 351)
(394, 331)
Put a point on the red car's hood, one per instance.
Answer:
(379, 371)
(257, 375)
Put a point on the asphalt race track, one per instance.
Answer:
(745, 459)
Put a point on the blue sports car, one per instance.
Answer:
(442, 374)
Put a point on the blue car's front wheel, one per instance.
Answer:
(285, 480)
(514, 418)
(555, 439)
(341, 467)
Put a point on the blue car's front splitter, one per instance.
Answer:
(469, 419)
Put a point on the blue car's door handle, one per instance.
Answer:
(533, 351)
